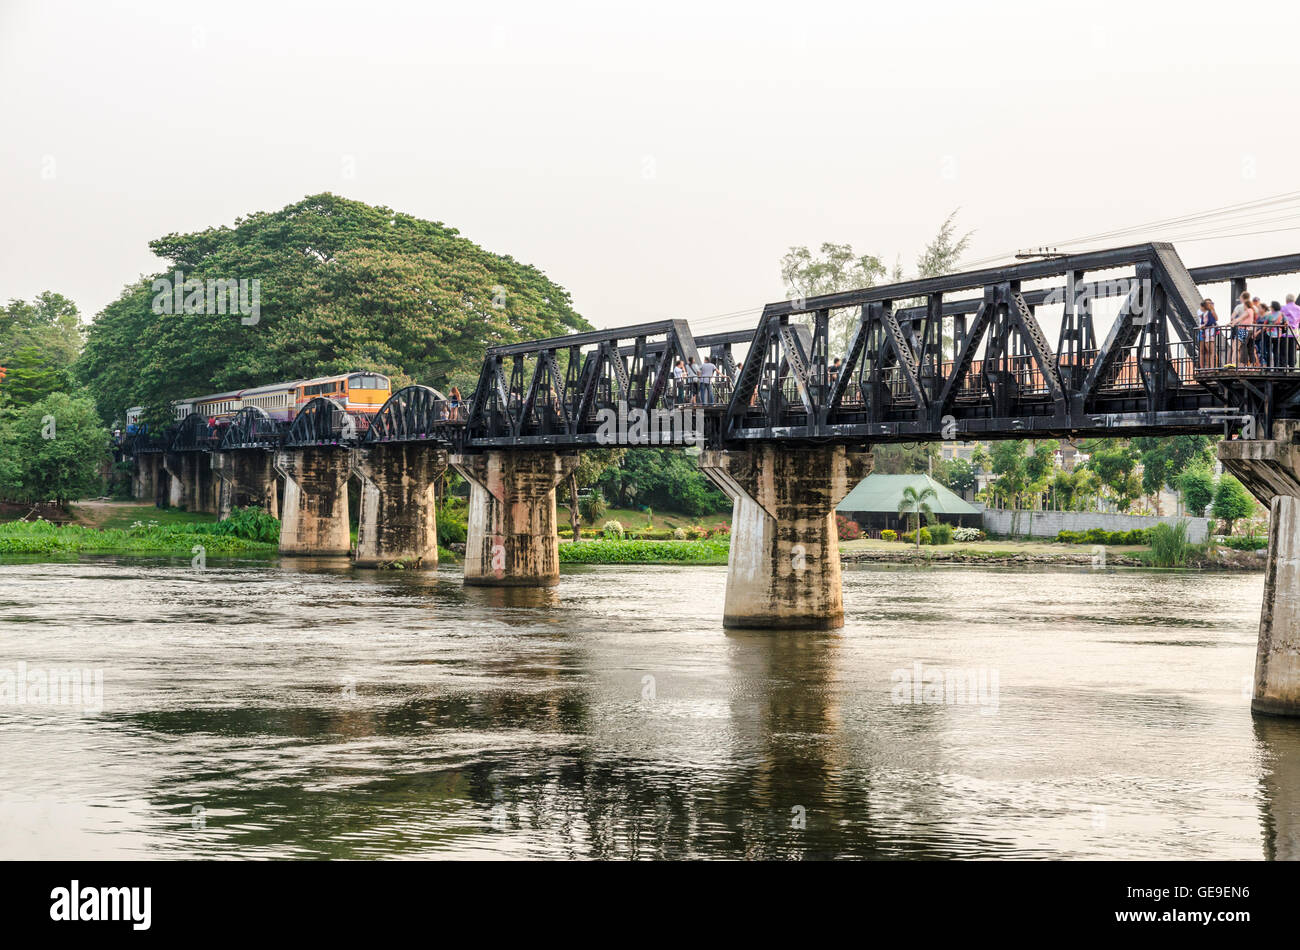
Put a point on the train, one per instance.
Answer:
(359, 393)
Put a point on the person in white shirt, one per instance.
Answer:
(679, 387)
(707, 369)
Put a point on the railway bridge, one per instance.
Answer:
(790, 427)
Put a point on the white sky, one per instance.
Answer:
(657, 159)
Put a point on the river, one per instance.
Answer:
(297, 708)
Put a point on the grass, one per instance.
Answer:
(709, 551)
(41, 537)
(119, 515)
(632, 520)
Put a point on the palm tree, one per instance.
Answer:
(914, 504)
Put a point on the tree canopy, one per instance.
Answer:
(51, 450)
(39, 341)
(342, 285)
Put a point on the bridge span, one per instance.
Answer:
(790, 425)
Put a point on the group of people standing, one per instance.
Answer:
(1257, 334)
(693, 383)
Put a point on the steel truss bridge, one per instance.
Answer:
(962, 356)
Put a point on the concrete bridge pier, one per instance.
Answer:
(246, 479)
(1270, 469)
(144, 476)
(205, 490)
(512, 539)
(314, 512)
(399, 513)
(784, 568)
(179, 467)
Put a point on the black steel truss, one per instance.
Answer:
(414, 414)
(961, 356)
(1001, 377)
(323, 422)
(552, 391)
(195, 435)
(253, 428)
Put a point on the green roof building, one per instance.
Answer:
(873, 504)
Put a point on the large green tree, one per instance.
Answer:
(52, 450)
(1232, 502)
(39, 341)
(1164, 459)
(342, 285)
(661, 478)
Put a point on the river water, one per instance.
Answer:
(307, 709)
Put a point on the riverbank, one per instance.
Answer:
(128, 528)
(1212, 558)
(143, 537)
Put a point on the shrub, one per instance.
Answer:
(452, 530)
(720, 531)
(1102, 536)
(967, 534)
(1245, 543)
(251, 524)
(593, 507)
(612, 531)
(889, 534)
(926, 537)
(941, 533)
(1169, 545)
(679, 534)
(846, 529)
(644, 552)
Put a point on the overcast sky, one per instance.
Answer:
(657, 159)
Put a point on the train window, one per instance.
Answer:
(368, 381)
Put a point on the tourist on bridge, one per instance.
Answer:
(1206, 317)
(707, 370)
(679, 384)
(1292, 314)
(1274, 325)
(693, 380)
(1243, 329)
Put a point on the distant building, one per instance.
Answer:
(873, 504)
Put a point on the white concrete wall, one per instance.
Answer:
(1047, 524)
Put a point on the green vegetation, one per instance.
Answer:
(1232, 502)
(661, 478)
(707, 551)
(51, 450)
(913, 505)
(1169, 545)
(591, 466)
(913, 537)
(343, 285)
(242, 535)
(1102, 536)
(1244, 543)
(958, 475)
(125, 514)
(1196, 485)
(39, 341)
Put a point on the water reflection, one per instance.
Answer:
(311, 709)
(1279, 742)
